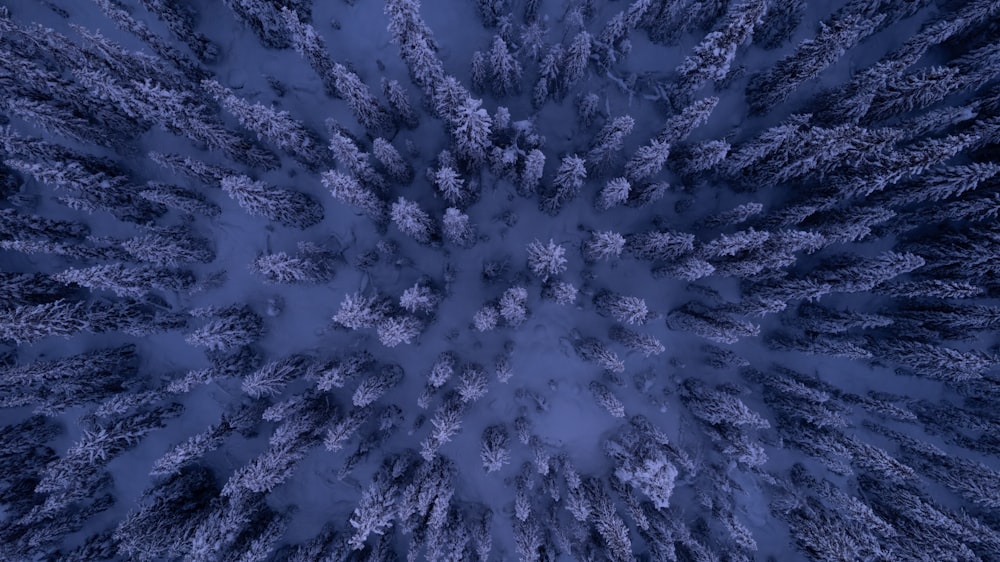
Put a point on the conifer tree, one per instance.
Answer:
(289, 208)
(346, 188)
(569, 179)
(812, 56)
(412, 221)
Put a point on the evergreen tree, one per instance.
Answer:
(630, 310)
(128, 281)
(179, 198)
(412, 221)
(546, 260)
(346, 188)
(180, 21)
(276, 126)
(812, 56)
(609, 141)
(399, 103)
(603, 245)
(505, 69)
(714, 55)
(289, 208)
(495, 448)
(397, 168)
(569, 179)
(232, 327)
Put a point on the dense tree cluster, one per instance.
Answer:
(646, 280)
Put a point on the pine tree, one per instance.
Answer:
(616, 192)
(312, 264)
(358, 311)
(647, 161)
(289, 208)
(169, 247)
(531, 174)
(607, 400)
(486, 318)
(644, 343)
(513, 306)
(609, 141)
(375, 386)
(395, 330)
(812, 56)
(264, 19)
(271, 378)
(592, 350)
(451, 185)
(546, 260)
(631, 310)
(603, 246)
(276, 126)
(399, 103)
(397, 168)
(505, 69)
(574, 63)
(180, 22)
(128, 282)
(233, 327)
(457, 229)
(714, 55)
(347, 189)
(471, 128)
(495, 448)
(179, 198)
(566, 186)
(413, 221)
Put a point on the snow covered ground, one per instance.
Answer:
(499, 280)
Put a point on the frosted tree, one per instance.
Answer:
(375, 511)
(128, 281)
(27, 324)
(344, 429)
(271, 378)
(711, 324)
(486, 318)
(420, 298)
(374, 386)
(446, 422)
(412, 220)
(643, 343)
(397, 168)
(658, 245)
(179, 198)
(630, 310)
(569, 179)
(457, 229)
(337, 79)
(264, 19)
(505, 69)
(603, 245)
(592, 350)
(181, 24)
(399, 103)
(311, 264)
(812, 56)
(289, 208)
(277, 127)
(394, 330)
(451, 185)
(614, 193)
(574, 63)
(608, 141)
(472, 383)
(336, 373)
(560, 292)
(169, 247)
(531, 174)
(471, 128)
(344, 147)
(232, 327)
(647, 161)
(347, 189)
(714, 55)
(546, 260)
(703, 156)
(607, 400)
(358, 311)
(495, 448)
(513, 306)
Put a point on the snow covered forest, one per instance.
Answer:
(490, 280)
